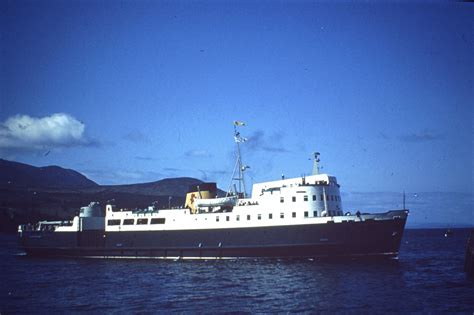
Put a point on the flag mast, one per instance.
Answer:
(239, 139)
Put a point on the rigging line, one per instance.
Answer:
(232, 178)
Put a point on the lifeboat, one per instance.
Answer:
(216, 202)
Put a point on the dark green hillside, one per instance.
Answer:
(18, 206)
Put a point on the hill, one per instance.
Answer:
(23, 175)
(29, 194)
(165, 187)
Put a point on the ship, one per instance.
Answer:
(299, 217)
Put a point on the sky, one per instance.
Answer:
(137, 91)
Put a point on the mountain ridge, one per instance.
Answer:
(29, 193)
(16, 175)
(24, 175)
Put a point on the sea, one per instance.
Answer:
(427, 277)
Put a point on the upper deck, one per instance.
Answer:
(320, 179)
(317, 195)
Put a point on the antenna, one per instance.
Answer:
(316, 163)
(404, 200)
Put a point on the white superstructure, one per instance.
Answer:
(301, 200)
(292, 201)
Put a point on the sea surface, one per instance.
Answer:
(427, 277)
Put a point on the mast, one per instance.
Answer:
(238, 164)
(316, 163)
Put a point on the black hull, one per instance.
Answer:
(355, 239)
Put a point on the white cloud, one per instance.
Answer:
(32, 133)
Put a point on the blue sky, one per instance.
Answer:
(137, 91)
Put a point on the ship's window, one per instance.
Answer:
(282, 199)
(142, 221)
(332, 198)
(227, 218)
(158, 221)
(270, 216)
(306, 214)
(248, 216)
(293, 198)
(259, 217)
(315, 213)
(314, 197)
(237, 217)
(322, 197)
(293, 214)
(113, 222)
(282, 215)
(217, 219)
(128, 222)
(326, 196)
(305, 198)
